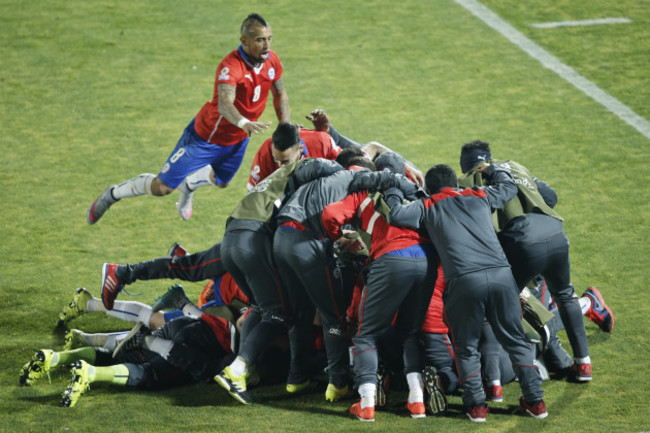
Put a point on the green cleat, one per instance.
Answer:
(78, 384)
(293, 388)
(174, 298)
(332, 393)
(235, 385)
(76, 307)
(36, 367)
(73, 340)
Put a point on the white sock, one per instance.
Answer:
(144, 316)
(87, 338)
(105, 340)
(239, 366)
(495, 382)
(129, 311)
(109, 341)
(585, 304)
(416, 387)
(585, 360)
(139, 185)
(200, 178)
(159, 345)
(192, 310)
(95, 305)
(367, 393)
(55, 359)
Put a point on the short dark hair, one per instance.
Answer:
(286, 135)
(361, 161)
(390, 161)
(251, 20)
(476, 144)
(440, 176)
(347, 154)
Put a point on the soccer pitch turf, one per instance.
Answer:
(94, 93)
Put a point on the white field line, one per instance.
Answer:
(593, 22)
(554, 64)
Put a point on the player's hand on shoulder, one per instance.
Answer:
(415, 174)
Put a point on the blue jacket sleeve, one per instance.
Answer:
(547, 192)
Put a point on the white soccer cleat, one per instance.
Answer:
(184, 204)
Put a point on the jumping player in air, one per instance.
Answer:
(212, 146)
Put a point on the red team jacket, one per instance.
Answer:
(385, 238)
(253, 85)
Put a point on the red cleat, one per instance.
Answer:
(111, 285)
(366, 414)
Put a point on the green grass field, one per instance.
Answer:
(94, 93)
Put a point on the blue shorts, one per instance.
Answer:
(193, 153)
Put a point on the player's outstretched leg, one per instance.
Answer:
(101, 205)
(111, 285)
(38, 366)
(599, 312)
(79, 383)
(76, 307)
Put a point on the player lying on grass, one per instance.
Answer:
(182, 351)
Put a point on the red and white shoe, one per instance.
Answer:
(599, 312)
(477, 413)
(536, 410)
(416, 409)
(111, 285)
(366, 414)
(176, 250)
(580, 372)
(494, 393)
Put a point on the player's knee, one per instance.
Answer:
(158, 188)
(140, 375)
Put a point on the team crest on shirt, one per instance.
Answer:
(272, 73)
(165, 168)
(255, 172)
(223, 75)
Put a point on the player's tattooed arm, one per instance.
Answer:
(227, 94)
(281, 101)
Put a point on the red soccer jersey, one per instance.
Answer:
(221, 329)
(316, 144)
(230, 290)
(252, 91)
(385, 237)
